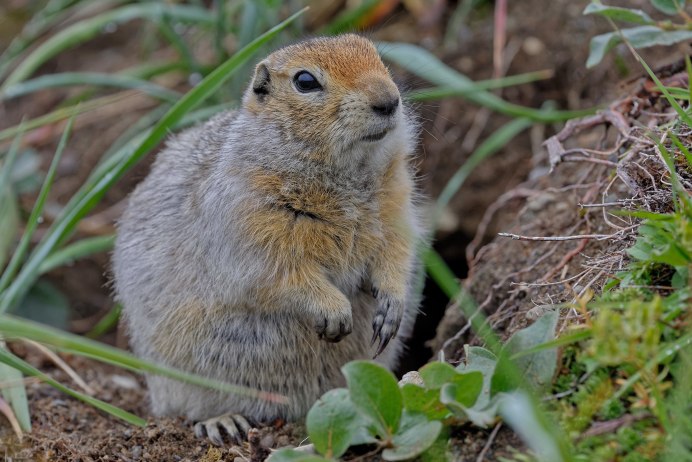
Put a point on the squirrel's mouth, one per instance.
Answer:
(375, 136)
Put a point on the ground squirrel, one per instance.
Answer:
(266, 244)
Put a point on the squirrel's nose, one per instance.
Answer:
(385, 107)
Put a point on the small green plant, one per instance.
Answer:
(639, 340)
(406, 420)
(647, 33)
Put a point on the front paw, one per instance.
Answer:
(335, 323)
(387, 318)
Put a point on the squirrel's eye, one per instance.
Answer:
(306, 82)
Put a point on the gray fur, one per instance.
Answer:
(181, 243)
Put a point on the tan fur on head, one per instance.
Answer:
(353, 78)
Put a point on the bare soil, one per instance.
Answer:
(540, 35)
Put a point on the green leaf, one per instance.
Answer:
(464, 392)
(537, 368)
(416, 435)
(520, 413)
(621, 14)
(375, 392)
(418, 399)
(44, 303)
(668, 6)
(462, 388)
(436, 374)
(15, 394)
(484, 361)
(291, 455)
(332, 422)
(639, 37)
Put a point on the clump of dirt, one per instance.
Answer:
(68, 430)
(564, 242)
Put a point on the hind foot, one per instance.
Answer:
(235, 426)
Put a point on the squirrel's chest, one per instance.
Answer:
(338, 231)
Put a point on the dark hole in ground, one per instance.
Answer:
(452, 249)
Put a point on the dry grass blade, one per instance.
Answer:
(9, 414)
(58, 361)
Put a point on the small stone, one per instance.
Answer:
(267, 441)
(282, 441)
(137, 452)
(413, 377)
(532, 46)
(124, 381)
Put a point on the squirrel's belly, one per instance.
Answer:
(280, 355)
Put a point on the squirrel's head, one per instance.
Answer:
(333, 93)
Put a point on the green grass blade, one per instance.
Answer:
(79, 249)
(14, 327)
(427, 94)
(567, 339)
(678, 189)
(14, 392)
(66, 79)
(127, 142)
(41, 20)
(18, 364)
(90, 195)
(425, 65)
(60, 114)
(444, 277)
(665, 352)
(9, 215)
(88, 28)
(106, 323)
(684, 116)
(349, 19)
(491, 145)
(685, 151)
(187, 57)
(688, 67)
(7, 166)
(133, 132)
(679, 93)
(32, 223)
(148, 70)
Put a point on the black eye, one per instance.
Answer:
(306, 82)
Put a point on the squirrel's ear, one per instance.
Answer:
(261, 81)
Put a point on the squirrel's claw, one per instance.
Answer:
(234, 425)
(387, 319)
